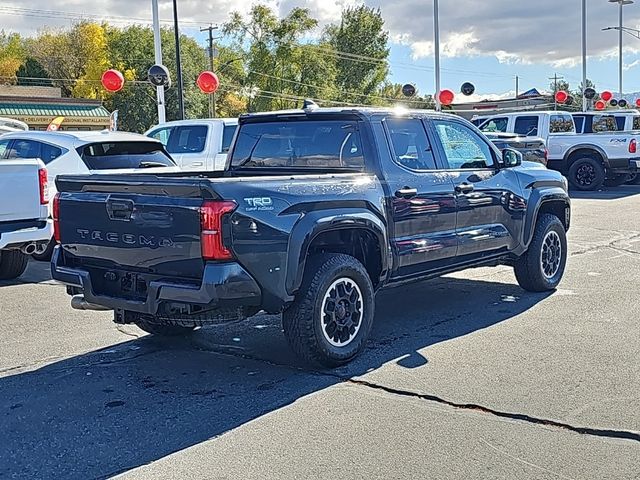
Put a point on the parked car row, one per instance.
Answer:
(588, 159)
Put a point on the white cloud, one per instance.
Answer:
(545, 31)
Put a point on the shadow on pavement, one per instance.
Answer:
(111, 410)
(608, 193)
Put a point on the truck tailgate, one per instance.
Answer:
(132, 223)
(20, 190)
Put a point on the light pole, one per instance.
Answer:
(158, 59)
(176, 33)
(584, 54)
(621, 3)
(436, 47)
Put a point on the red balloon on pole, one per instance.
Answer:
(446, 97)
(606, 95)
(112, 80)
(600, 105)
(637, 102)
(561, 96)
(208, 82)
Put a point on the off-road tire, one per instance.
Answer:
(589, 163)
(528, 268)
(46, 255)
(13, 263)
(164, 330)
(304, 321)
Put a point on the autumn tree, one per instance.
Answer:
(12, 54)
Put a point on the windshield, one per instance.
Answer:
(299, 144)
(116, 155)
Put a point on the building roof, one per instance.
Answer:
(13, 108)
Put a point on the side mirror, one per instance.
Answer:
(511, 158)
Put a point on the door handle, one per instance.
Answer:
(406, 192)
(464, 188)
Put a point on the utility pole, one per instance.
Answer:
(517, 82)
(178, 62)
(584, 54)
(212, 97)
(555, 79)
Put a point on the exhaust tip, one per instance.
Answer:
(78, 302)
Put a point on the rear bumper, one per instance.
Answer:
(27, 232)
(223, 284)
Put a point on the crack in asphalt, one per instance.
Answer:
(521, 417)
(612, 244)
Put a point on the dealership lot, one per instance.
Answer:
(466, 376)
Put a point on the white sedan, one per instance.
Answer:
(87, 153)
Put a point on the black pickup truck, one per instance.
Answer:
(318, 210)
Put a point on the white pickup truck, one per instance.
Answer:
(587, 160)
(25, 227)
(197, 145)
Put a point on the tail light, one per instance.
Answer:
(211, 216)
(633, 146)
(44, 186)
(56, 218)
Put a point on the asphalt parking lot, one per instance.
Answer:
(467, 376)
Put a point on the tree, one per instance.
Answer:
(12, 55)
(361, 51)
(280, 69)
(33, 74)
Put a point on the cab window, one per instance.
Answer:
(604, 123)
(527, 126)
(463, 148)
(636, 124)
(227, 136)
(24, 149)
(495, 125)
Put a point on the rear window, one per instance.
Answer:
(299, 144)
(227, 136)
(114, 155)
(561, 124)
(527, 126)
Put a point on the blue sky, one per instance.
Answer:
(486, 42)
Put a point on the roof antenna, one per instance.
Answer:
(309, 105)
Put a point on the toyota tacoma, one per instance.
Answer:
(316, 211)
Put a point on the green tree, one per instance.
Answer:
(361, 51)
(32, 73)
(280, 69)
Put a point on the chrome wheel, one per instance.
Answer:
(551, 254)
(341, 312)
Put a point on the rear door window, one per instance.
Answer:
(115, 155)
(299, 144)
(578, 120)
(24, 149)
(527, 126)
(410, 144)
(561, 124)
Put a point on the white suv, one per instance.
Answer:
(87, 152)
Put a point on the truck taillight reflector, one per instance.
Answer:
(44, 186)
(633, 146)
(211, 216)
(56, 218)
